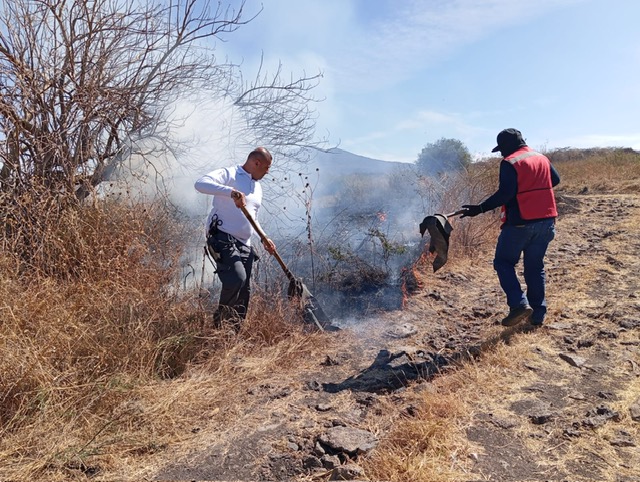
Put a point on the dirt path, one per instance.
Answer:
(569, 418)
(563, 415)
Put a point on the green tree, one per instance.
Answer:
(442, 156)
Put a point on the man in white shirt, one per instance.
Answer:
(229, 231)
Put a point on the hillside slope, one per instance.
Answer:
(338, 162)
(557, 406)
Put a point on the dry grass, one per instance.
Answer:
(93, 322)
(471, 187)
(603, 170)
(431, 444)
(420, 446)
(87, 396)
(105, 363)
(87, 317)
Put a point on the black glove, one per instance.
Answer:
(471, 210)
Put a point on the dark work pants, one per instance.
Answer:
(233, 267)
(529, 241)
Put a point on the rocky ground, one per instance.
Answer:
(570, 411)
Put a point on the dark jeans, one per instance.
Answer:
(233, 267)
(529, 241)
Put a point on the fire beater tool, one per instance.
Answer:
(312, 311)
(440, 230)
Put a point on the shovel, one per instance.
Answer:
(312, 311)
(440, 230)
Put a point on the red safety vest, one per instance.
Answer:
(535, 192)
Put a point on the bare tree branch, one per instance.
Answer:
(82, 82)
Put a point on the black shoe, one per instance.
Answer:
(516, 315)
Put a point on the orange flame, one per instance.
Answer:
(412, 281)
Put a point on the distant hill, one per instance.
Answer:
(333, 166)
(337, 163)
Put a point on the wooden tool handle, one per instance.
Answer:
(264, 238)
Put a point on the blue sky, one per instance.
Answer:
(398, 74)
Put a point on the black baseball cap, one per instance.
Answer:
(509, 139)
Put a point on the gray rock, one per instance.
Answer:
(330, 462)
(314, 385)
(318, 450)
(559, 326)
(540, 418)
(571, 432)
(505, 423)
(573, 360)
(629, 324)
(311, 462)
(585, 343)
(634, 411)
(330, 362)
(366, 399)
(622, 439)
(352, 441)
(347, 472)
(606, 395)
(599, 416)
(402, 331)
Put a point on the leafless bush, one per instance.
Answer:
(88, 86)
(472, 186)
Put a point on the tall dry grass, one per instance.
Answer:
(86, 313)
(599, 170)
(93, 326)
(92, 315)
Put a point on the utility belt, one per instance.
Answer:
(218, 240)
(211, 235)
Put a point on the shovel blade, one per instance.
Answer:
(439, 230)
(312, 312)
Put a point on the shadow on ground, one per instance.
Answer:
(392, 371)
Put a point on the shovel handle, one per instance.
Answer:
(456, 213)
(305, 295)
(264, 238)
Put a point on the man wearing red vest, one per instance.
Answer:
(525, 193)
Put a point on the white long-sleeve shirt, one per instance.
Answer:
(220, 184)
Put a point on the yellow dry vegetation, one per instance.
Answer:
(108, 374)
